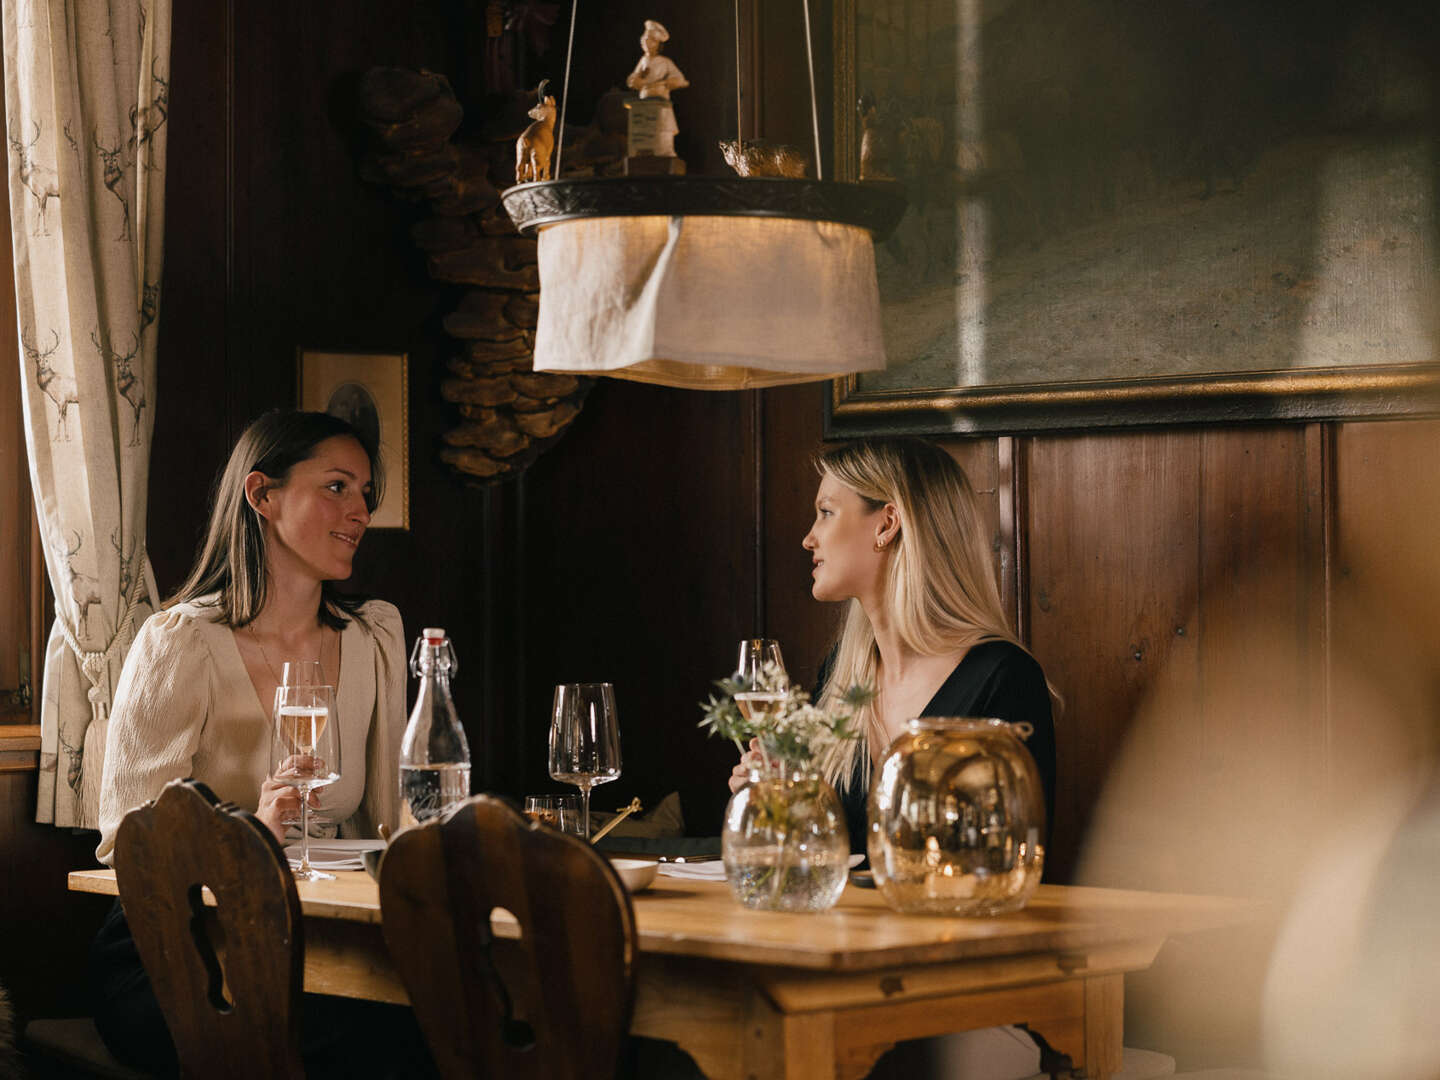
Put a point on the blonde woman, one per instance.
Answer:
(898, 536)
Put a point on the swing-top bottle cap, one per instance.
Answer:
(433, 635)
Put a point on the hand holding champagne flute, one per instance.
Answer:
(765, 682)
(584, 739)
(305, 753)
(303, 673)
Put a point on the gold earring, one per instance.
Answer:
(879, 545)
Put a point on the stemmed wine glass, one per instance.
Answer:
(584, 739)
(303, 673)
(305, 754)
(761, 674)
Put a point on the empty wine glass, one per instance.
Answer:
(305, 754)
(584, 739)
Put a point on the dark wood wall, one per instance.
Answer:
(666, 524)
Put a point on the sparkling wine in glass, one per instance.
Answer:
(761, 673)
(584, 739)
(303, 673)
(765, 683)
(305, 753)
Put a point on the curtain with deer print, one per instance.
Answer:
(86, 97)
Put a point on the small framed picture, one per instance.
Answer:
(370, 390)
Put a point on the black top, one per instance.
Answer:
(994, 679)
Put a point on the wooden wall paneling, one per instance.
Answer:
(46, 929)
(990, 470)
(1113, 567)
(639, 570)
(1260, 546)
(1385, 650)
(1227, 771)
(191, 400)
(803, 626)
(1013, 541)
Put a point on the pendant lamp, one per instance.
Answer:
(707, 283)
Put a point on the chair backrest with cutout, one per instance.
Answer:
(554, 1003)
(227, 977)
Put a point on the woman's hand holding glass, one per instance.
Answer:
(751, 760)
(761, 670)
(304, 755)
(295, 673)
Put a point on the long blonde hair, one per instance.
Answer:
(940, 585)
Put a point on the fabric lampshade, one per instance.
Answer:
(708, 301)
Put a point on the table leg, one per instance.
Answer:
(788, 1046)
(1104, 1025)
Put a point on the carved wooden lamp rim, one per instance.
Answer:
(875, 207)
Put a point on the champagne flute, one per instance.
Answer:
(761, 666)
(303, 673)
(584, 739)
(305, 753)
(764, 681)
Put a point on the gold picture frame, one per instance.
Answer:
(371, 390)
(1140, 219)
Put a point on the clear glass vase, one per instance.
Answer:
(957, 819)
(785, 843)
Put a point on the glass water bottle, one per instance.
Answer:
(434, 756)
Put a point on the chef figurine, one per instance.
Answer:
(655, 76)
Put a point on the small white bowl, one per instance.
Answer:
(636, 874)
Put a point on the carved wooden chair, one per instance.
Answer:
(227, 977)
(550, 997)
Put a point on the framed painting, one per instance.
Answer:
(1144, 213)
(370, 390)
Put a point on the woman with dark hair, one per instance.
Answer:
(194, 698)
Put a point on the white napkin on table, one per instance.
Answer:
(713, 870)
(335, 854)
(707, 871)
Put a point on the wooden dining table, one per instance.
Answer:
(774, 995)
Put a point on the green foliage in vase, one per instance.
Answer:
(794, 733)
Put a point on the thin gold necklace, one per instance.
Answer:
(319, 650)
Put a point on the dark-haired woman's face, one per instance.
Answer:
(318, 515)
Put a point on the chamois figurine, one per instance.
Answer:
(532, 149)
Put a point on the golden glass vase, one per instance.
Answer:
(785, 843)
(957, 819)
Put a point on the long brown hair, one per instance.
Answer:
(231, 560)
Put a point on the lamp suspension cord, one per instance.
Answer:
(565, 91)
(739, 128)
(814, 109)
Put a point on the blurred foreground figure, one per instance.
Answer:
(1297, 766)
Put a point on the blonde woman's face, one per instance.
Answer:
(842, 542)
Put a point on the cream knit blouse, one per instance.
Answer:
(185, 707)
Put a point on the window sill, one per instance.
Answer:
(19, 747)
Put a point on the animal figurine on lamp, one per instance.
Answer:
(532, 149)
(757, 157)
